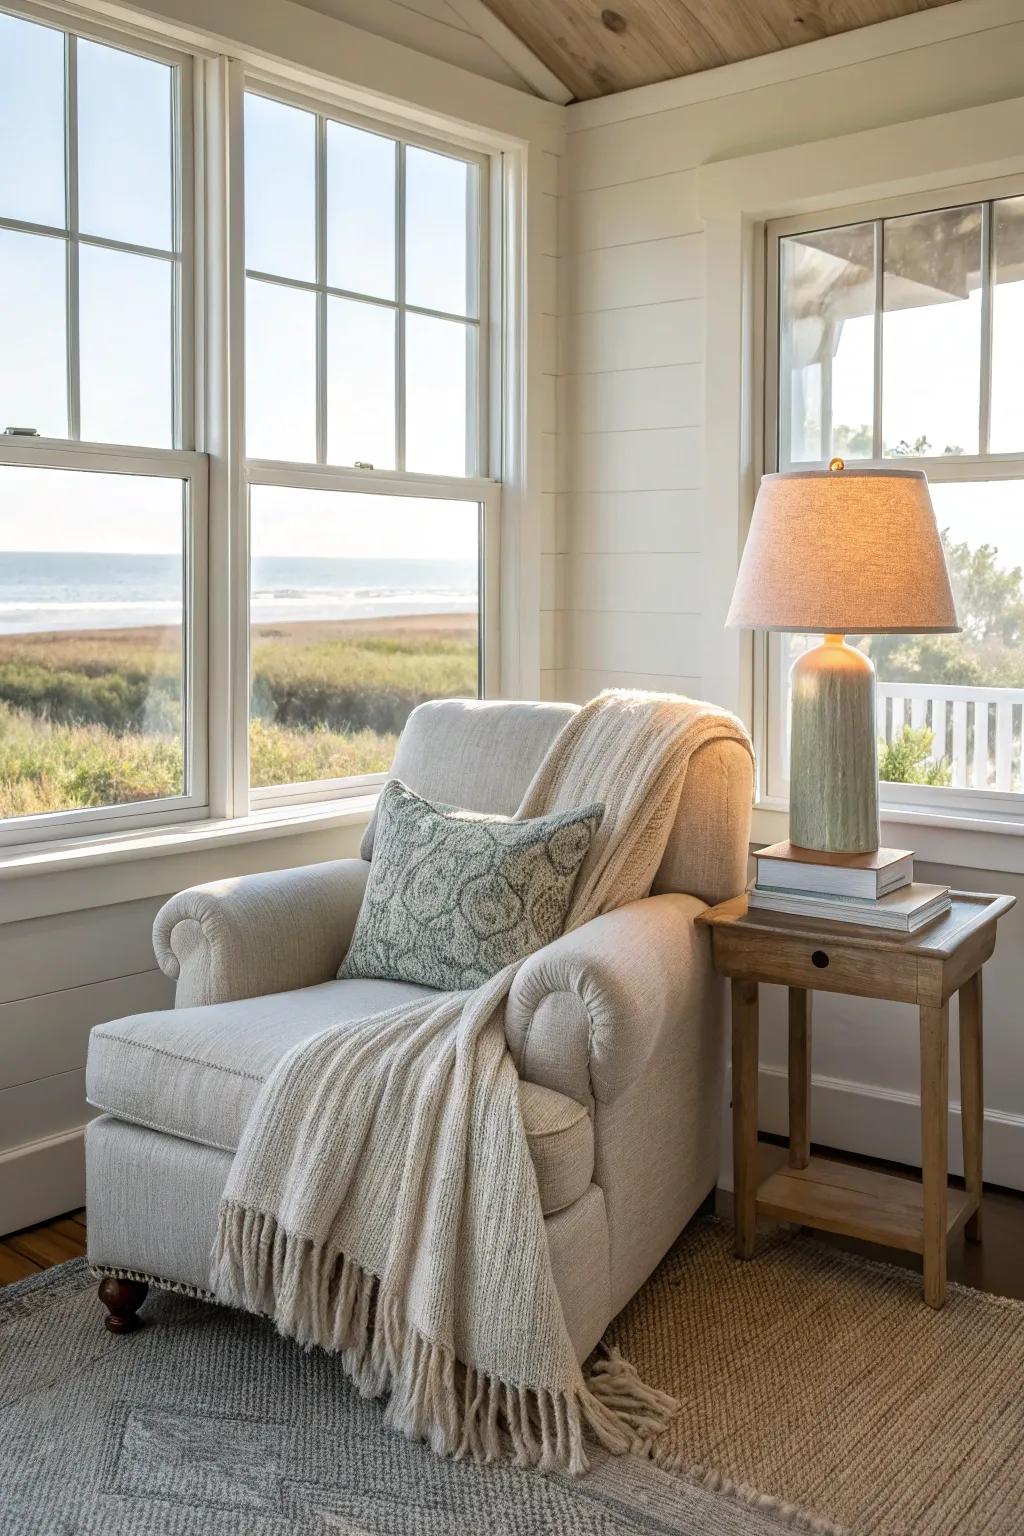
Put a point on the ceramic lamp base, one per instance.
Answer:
(833, 793)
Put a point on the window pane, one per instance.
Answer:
(125, 189)
(91, 654)
(280, 372)
(826, 344)
(1007, 420)
(360, 211)
(31, 122)
(362, 607)
(280, 189)
(440, 372)
(360, 383)
(33, 328)
(931, 341)
(126, 353)
(440, 232)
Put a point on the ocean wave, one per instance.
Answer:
(335, 595)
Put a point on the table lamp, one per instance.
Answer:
(834, 552)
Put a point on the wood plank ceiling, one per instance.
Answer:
(596, 48)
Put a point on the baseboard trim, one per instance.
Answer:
(42, 1179)
(885, 1123)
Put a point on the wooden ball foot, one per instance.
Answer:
(122, 1299)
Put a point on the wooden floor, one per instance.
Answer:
(52, 1242)
(995, 1265)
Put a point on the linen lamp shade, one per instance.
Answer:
(836, 552)
(846, 552)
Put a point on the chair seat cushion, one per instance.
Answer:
(195, 1073)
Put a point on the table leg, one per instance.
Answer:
(972, 1095)
(934, 1147)
(799, 1077)
(744, 1115)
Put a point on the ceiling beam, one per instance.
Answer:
(493, 31)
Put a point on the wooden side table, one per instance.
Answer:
(924, 969)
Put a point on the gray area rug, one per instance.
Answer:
(206, 1423)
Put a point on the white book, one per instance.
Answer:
(902, 911)
(784, 866)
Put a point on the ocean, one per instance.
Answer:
(52, 590)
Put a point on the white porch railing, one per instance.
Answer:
(977, 730)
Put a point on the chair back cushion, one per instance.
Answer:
(479, 754)
(482, 753)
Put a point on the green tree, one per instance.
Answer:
(990, 646)
(852, 442)
(905, 759)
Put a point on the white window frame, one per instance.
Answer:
(477, 439)
(769, 683)
(484, 490)
(209, 452)
(181, 462)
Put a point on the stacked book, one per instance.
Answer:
(875, 890)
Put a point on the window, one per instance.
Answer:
(102, 500)
(902, 337)
(363, 432)
(248, 492)
(363, 289)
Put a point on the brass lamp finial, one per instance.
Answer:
(837, 464)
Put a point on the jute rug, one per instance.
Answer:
(206, 1423)
(822, 1380)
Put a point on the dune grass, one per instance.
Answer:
(93, 719)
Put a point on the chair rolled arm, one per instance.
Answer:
(261, 933)
(585, 1012)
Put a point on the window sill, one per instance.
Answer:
(40, 879)
(958, 841)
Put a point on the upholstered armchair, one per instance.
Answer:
(615, 1029)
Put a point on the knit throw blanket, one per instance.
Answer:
(382, 1202)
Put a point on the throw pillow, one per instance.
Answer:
(453, 896)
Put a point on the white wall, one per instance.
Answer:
(638, 579)
(75, 946)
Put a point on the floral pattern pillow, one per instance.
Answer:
(453, 896)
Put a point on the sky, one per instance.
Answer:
(124, 145)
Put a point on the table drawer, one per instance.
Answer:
(820, 966)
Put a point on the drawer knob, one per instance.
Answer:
(820, 959)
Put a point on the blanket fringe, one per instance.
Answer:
(319, 1297)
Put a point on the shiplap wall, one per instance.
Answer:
(551, 171)
(632, 342)
(637, 509)
(628, 572)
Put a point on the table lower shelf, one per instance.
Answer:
(856, 1202)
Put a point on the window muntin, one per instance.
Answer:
(362, 606)
(110, 206)
(930, 306)
(377, 222)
